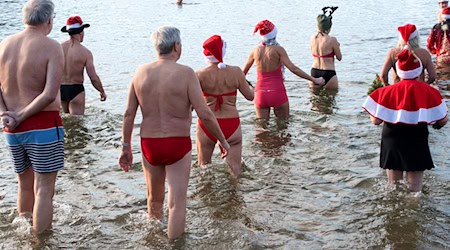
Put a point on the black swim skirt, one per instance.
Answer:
(405, 147)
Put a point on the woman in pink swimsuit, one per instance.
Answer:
(270, 58)
(220, 83)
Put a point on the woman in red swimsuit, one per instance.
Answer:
(220, 83)
(324, 48)
(270, 58)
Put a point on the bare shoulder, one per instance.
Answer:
(185, 69)
(234, 69)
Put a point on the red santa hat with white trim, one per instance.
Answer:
(408, 65)
(267, 30)
(74, 25)
(214, 50)
(408, 32)
(445, 13)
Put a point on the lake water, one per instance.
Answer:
(313, 183)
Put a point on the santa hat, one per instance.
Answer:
(214, 50)
(445, 14)
(74, 25)
(408, 32)
(443, 1)
(408, 65)
(267, 29)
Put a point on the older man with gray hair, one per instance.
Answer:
(166, 92)
(31, 67)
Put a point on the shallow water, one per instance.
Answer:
(311, 183)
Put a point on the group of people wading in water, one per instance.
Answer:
(166, 93)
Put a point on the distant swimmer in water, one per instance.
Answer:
(220, 83)
(406, 109)
(166, 92)
(439, 41)
(409, 39)
(324, 49)
(270, 58)
(77, 58)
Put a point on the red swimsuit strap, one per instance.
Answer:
(219, 98)
(327, 55)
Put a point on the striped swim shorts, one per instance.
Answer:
(37, 142)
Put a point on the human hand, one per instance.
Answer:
(224, 147)
(9, 120)
(437, 125)
(102, 96)
(319, 81)
(126, 159)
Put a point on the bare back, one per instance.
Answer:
(215, 81)
(424, 56)
(267, 58)
(162, 91)
(76, 56)
(29, 63)
(321, 45)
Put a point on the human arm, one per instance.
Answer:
(284, 58)
(204, 113)
(431, 40)
(375, 120)
(337, 49)
(430, 69)
(244, 87)
(7, 121)
(126, 157)
(249, 63)
(95, 79)
(384, 75)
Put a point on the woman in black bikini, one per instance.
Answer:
(324, 49)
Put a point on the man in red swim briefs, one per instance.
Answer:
(166, 91)
(31, 66)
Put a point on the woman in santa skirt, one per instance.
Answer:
(406, 108)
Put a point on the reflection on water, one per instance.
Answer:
(271, 137)
(76, 134)
(323, 100)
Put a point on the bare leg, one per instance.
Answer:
(235, 152)
(77, 104)
(394, 176)
(415, 180)
(44, 188)
(205, 147)
(282, 111)
(65, 106)
(262, 113)
(178, 180)
(155, 177)
(332, 83)
(25, 193)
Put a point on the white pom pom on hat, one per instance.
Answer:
(214, 50)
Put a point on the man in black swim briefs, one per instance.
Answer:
(77, 58)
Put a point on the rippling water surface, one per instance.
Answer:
(311, 183)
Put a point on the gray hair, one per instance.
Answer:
(413, 43)
(165, 38)
(37, 12)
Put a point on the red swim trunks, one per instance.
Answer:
(165, 151)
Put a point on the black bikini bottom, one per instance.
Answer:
(68, 92)
(326, 74)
